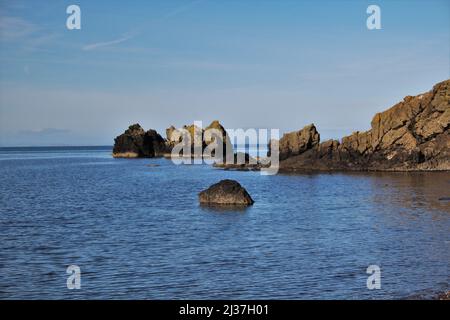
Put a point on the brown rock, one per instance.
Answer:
(197, 136)
(412, 135)
(295, 143)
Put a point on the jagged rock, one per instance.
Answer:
(169, 134)
(223, 136)
(225, 192)
(329, 149)
(136, 143)
(197, 137)
(412, 135)
(295, 143)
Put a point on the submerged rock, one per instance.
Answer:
(225, 192)
(137, 143)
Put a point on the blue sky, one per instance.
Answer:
(263, 64)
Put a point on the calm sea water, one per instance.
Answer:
(137, 231)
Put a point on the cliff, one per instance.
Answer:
(411, 135)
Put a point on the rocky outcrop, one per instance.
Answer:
(295, 143)
(225, 192)
(412, 135)
(200, 137)
(135, 143)
(222, 135)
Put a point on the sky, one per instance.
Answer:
(250, 64)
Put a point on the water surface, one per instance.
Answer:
(137, 231)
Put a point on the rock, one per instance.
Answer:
(444, 296)
(224, 139)
(412, 135)
(226, 192)
(295, 143)
(169, 135)
(198, 138)
(137, 143)
(240, 162)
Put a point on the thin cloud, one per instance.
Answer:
(23, 34)
(178, 10)
(98, 45)
(14, 28)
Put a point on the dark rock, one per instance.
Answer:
(137, 143)
(226, 192)
(413, 135)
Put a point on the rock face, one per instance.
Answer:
(411, 135)
(135, 142)
(225, 192)
(295, 143)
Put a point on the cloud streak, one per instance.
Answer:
(178, 10)
(98, 45)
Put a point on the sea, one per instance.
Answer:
(134, 229)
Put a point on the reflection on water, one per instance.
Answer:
(223, 208)
(413, 190)
(138, 231)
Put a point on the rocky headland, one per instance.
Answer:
(413, 135)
